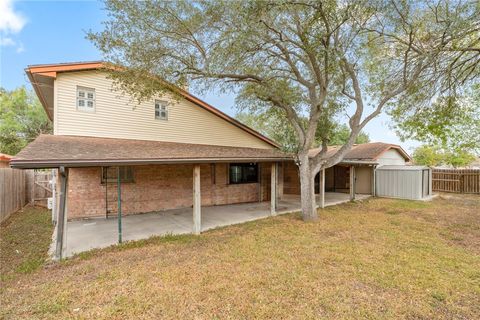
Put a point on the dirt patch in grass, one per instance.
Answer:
(358, 261)
(24, 240)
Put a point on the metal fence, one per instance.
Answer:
(456, 180)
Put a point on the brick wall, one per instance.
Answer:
(160, 187)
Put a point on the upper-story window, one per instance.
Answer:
(161, 110)
(85, 99)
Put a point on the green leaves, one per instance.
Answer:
(22, 119)
(435, 156)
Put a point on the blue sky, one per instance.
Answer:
(37, 32)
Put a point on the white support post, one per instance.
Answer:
(322, 188)
(197, 200)
(352, 183)
(374, 177)
(273, 190)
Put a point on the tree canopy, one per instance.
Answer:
(22, 119)
(450, 123)
(434, 156)
(278, 128)
(313, 60)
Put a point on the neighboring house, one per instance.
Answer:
(5, 160)
(116, 157)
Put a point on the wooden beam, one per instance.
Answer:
(322, 188)
(63, 172)
(197, 200)
(273, 189)
(352, 183)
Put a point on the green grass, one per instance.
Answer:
(376, 259)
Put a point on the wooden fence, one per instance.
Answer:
(19, 187)
(456, 180)
(13, 191)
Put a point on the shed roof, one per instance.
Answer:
(400, 167)
(50, 151)
(371, 151)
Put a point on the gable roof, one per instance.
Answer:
(52, 151)
(364, 152)
(41, 77)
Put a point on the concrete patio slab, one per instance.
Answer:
(84, 235)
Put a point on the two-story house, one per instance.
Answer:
(117, 157)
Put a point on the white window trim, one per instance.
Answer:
(161, 103)
(86, 99)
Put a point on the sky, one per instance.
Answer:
(40, 32)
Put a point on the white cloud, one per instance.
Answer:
(6, 42)
(10, 20)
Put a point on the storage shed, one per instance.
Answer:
(404, 182)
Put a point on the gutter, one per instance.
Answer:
(46, 164)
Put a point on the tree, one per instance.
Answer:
(22, 119)
(427, 156)
(452, 123)
(306, 59)
(433, 156)
(268, 124)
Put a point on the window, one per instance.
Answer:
(110, 174)
(85, 99)
(243, 173)
(161, 110)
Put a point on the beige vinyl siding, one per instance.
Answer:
(391, 157)
(117, 116)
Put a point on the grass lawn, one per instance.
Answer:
(377, 259)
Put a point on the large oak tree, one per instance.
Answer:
(306, 59)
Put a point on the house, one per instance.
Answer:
(172, 164)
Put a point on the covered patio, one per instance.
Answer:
(84, 235)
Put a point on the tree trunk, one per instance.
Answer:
(307, 190)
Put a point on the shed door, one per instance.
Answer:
(425, 183)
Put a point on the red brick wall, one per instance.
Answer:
(159, 187)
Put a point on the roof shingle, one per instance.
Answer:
(55, 150)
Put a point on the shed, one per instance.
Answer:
(403, 182)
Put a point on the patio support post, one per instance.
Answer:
(63, 173)
(273, 189)
(352, 183)
(197, 201)
(322, 188)
(374, 169)
(119, 205)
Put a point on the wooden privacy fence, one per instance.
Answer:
(13, 190)
(456, 180)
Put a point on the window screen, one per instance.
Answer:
(161, 110)
(110, 174)
(85, 99)
(243, 173)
